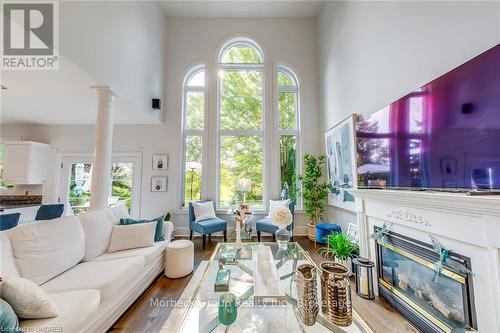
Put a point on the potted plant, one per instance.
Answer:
(314, 191)
(341, 247)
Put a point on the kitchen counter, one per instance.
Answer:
(5, 207)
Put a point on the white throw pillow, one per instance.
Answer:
(204, 210)
(45, 249)
(27, 299)
(97, 226)
(119, 212)
(273, 204)
(132, 236)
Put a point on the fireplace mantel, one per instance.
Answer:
(469, 225)
(458, 203)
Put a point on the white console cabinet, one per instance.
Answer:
(26, 162)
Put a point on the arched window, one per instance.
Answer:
(288, 127)
(240, 150)
(194, 90)
(241, 138)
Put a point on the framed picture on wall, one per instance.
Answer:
(160, 162)
(340, 144)
(159, 184)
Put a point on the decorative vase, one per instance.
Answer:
(282, 237)
(336, 302)
(227, 309)
(307, 294)
(311, 231)
(238, 236)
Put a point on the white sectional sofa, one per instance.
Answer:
(68, 258)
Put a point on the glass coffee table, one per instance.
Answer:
(202, 313)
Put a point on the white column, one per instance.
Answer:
(101, 168)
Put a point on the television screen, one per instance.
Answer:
(444, 135)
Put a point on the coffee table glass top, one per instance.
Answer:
(202, 313)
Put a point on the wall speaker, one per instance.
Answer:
(156, 104)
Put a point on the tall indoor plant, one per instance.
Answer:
(314, 191)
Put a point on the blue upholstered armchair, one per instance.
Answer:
(265, 225)
(205, 227)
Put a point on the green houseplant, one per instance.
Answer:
(314, 191)
(341, 247)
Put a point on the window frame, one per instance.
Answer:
(280, 67)
(193, 70)
(132, 157)
(241, 67)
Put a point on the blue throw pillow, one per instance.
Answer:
(159, 236)
(8, 319)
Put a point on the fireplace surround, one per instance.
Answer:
(407, 280)
(468, 226)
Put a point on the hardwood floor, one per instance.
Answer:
(143, 317)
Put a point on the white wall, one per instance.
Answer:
(372, 53)
(120, 44)
(191, 41)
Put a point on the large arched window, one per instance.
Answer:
(287, 94)
(194, 90)
(241, 136)
(234, 148)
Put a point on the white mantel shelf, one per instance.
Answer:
(458, 203)
(468, 225)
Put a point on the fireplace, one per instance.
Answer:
(405, 268)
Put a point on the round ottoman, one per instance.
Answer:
(179, 258)
(324, 229)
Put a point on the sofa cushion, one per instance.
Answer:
(97, 226)
(106, 276)
(8, 267)
(74, 308)
(148, 253)
(126, 237)
(45, 249)
(119, 212)
(159, 231)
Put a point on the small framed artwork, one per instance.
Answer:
(159, 184)
(353, 232)
(160, 162)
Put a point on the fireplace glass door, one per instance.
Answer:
(407, 280)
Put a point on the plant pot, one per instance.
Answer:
(347, 263)
(311, 231)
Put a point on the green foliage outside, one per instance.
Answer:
(288, 164)
(121, 186)
(241, 102)
(241, 156)
(314, 192)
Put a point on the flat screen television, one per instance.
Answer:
(444, 135)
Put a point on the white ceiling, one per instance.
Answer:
(242, 8)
